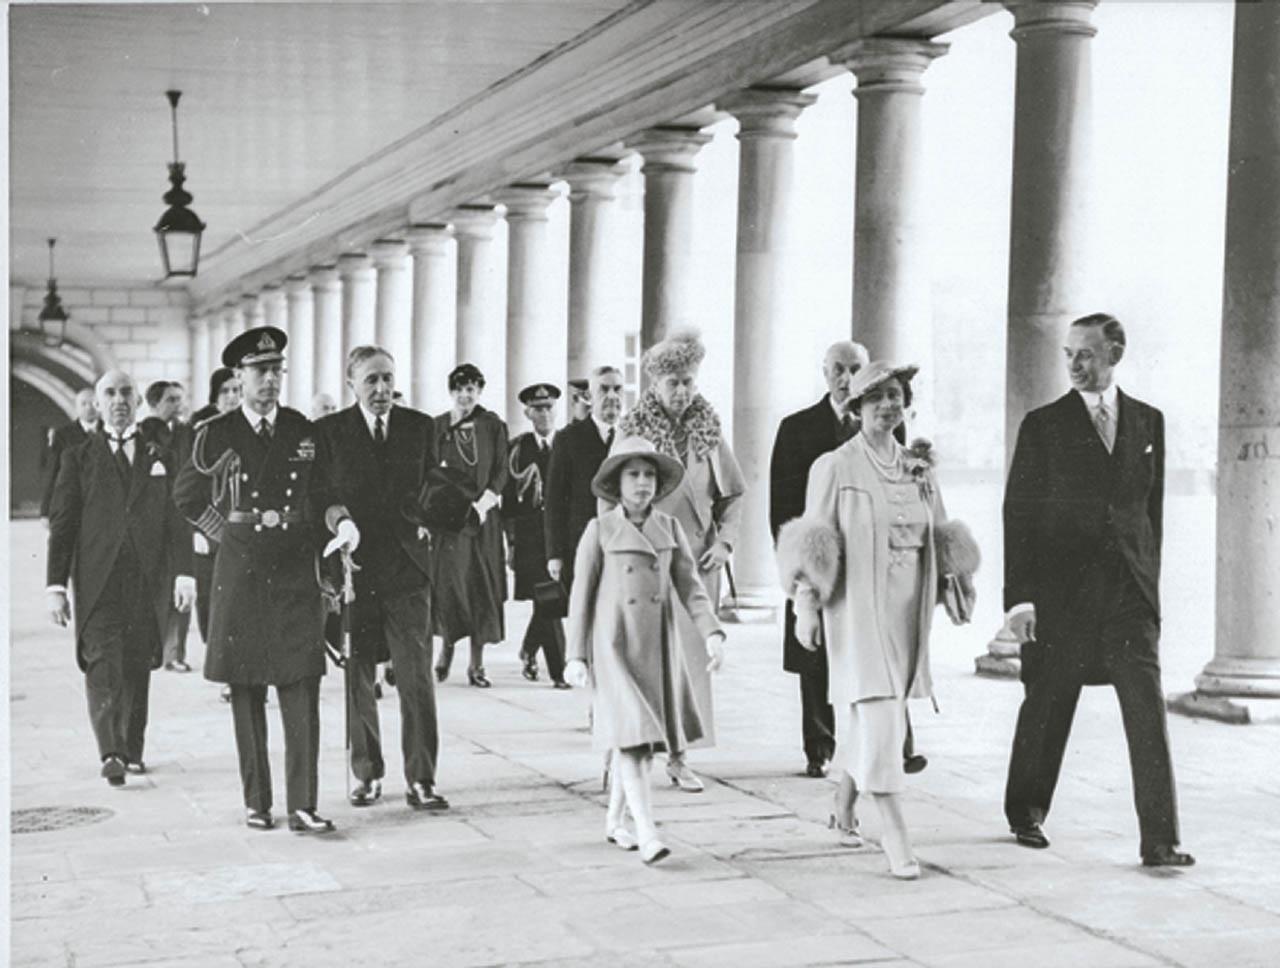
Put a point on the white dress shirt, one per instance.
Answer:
(255, 418)
(371, 420)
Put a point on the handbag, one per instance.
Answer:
(550, 599)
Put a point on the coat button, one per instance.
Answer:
(257, 527)
(631, 601)
(630, 569)
(288, 492)
(655, 599)
(254, 494)
(698, 533)
(244, 477)
(654, 566)
(293, 476)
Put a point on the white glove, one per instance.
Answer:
(347, 536)
(199, 543)
(59, 607)
(575, 673)
(555, 568)
(715, 651)
(184, 593)
(808, 625)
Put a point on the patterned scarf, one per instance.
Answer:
(699, 425)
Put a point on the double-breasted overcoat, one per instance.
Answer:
(622, 623)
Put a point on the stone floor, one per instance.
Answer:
(518, 871)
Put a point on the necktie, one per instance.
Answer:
(1106, 426)
(845, 430)
(608, 440)
(264, 431)
(379, 432)
(122, 457)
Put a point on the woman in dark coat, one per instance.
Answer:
(470, 574)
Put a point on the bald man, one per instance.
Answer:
(115, 531)
(802, 438)
(70, 434)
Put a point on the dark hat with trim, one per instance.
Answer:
(581, 386)
(262, 344)
(539, 393)
(444, 502)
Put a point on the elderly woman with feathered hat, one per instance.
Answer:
(866, 565)
(673, 416)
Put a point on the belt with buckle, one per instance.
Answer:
(270, 518)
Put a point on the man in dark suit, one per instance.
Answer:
(802, 438)
(165, 400)
(578, 451)
(257, 482)
(1083, 521)
(380, 453)
(522, 516)
(115, 534)
(69, 435)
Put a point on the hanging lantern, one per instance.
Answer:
(179, 228)
(53, 317)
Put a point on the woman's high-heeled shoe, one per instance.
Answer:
(620, 836)
(849, 836)
(477, 678)
(907, 871)
(683, 777)
(654, 851)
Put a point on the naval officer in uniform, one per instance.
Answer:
(257, 483)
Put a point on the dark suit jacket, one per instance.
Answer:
(178, 437)
(380, 496)
(523, 503)
(69, 435)
(1070, 506)
(92, 515)
(802, 438)
(576, 455)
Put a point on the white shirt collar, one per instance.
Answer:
(89, 428)
(130, 431)
(370, 419)
(841, 412)
(551, 436)
(255, 418)
(603, 428)
(1107, 397)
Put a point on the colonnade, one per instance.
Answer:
(432, 319)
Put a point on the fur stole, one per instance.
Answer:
(650, 421)
(958, 552)
(809, 551)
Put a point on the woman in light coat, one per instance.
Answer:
(632, 563)
(865, 566)
(680, 423)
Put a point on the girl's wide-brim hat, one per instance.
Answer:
(669, 470)
(878, 372)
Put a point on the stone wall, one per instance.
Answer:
(142, 330)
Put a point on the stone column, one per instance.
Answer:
(434, 332)
(1048, 246)
(766, 132)
(1242, 682)
(274, 308)
(668, 152)
(230, 325)
(330, 365)
(535, 342)
(394, 300)
(301, 355)
(198, 327)
(592, 342)
(892, 312)
(482, 338)
(251, 313)
(359, 299)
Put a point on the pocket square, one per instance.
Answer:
(1150, 447)
(157, 470)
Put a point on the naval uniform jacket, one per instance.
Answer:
(93, 514)
(1071, 507)
(522, 511)
(266, 620)
(379, 493)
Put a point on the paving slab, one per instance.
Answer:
(518, 872)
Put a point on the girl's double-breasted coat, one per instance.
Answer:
(622, 623)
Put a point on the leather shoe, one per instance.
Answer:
(420, 796)
(366, 793)
(815, 769)
(259, 819)
(113, 770)
(560, 684)
(1166, 855)
(1030, 835)
(135, 766)
(477, 678)
(530, 670)
(914, 763)
(309, 822)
